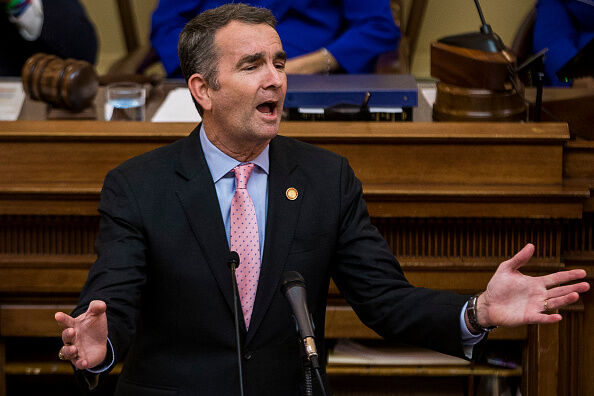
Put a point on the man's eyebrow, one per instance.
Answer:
(251, 58)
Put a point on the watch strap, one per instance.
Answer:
(471, 313)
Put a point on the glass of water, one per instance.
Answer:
(125, 102)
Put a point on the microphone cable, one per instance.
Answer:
(322, 387)
(234, 263)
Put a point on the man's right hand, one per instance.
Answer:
(84, 337)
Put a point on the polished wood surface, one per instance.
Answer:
(470, 67)
(455, 103)
(451, 199)
(67, 83)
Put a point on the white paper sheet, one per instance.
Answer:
(12, 97)
(177, 107)
(429, 93)
(350, 352)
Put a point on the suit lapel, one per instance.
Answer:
(282, 217)
(198, 198)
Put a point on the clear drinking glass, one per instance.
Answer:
(125, 102)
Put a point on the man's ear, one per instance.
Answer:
(200, 90)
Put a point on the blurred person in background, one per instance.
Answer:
(58, 27)
(564, 27)
(319, 36)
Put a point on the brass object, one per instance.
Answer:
(292, 193)
(65, 83)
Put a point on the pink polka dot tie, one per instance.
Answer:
(245, 241)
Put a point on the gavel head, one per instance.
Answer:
(67, 83)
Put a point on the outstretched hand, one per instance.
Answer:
(84, 337)
(514, 299)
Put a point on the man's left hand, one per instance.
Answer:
(514, 299)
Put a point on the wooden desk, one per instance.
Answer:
(452, 200)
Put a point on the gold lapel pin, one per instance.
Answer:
(292, 193)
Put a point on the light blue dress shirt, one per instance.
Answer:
(221, 166)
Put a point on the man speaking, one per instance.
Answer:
(160, 294)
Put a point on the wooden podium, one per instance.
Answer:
(452, 200)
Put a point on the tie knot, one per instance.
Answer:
(242, 174)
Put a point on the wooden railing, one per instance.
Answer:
(452, 200)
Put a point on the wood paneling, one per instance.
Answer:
(452, 200)
(470, 242)
(33, 236)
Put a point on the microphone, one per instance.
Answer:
(485, 28)
(233, 260)
(233, 264)
(294, 290)
(485, 40)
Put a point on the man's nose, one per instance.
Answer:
(274, 77)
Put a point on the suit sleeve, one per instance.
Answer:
(67, 31)
(554, 30)
(369, 31)
(119, 274)
(371, 280)
(168, 20)
(564, 27)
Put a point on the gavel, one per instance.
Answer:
(66, 83)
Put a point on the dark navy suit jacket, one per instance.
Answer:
(162, 270)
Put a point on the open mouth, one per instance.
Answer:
(267, 108)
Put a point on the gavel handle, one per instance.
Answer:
(152, 79)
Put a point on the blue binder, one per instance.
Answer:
(319, 91)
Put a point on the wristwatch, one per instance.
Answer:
(471, 312)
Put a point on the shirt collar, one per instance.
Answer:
(220, 163)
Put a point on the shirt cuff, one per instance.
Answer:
(104, 367)
(469, 340)
(30, 21)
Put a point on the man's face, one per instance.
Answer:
(247, 107)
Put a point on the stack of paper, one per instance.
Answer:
(350, 352)
(12, 97)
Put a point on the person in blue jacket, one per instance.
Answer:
(319, 36)
(564, 27)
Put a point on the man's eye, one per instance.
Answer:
(250, 67)
(280, 66)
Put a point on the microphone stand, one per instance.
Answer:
(234, 263)
(485, 28)
(308, 382)
(536, 66)
(311, 363)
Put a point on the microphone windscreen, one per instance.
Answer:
(233, 259)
